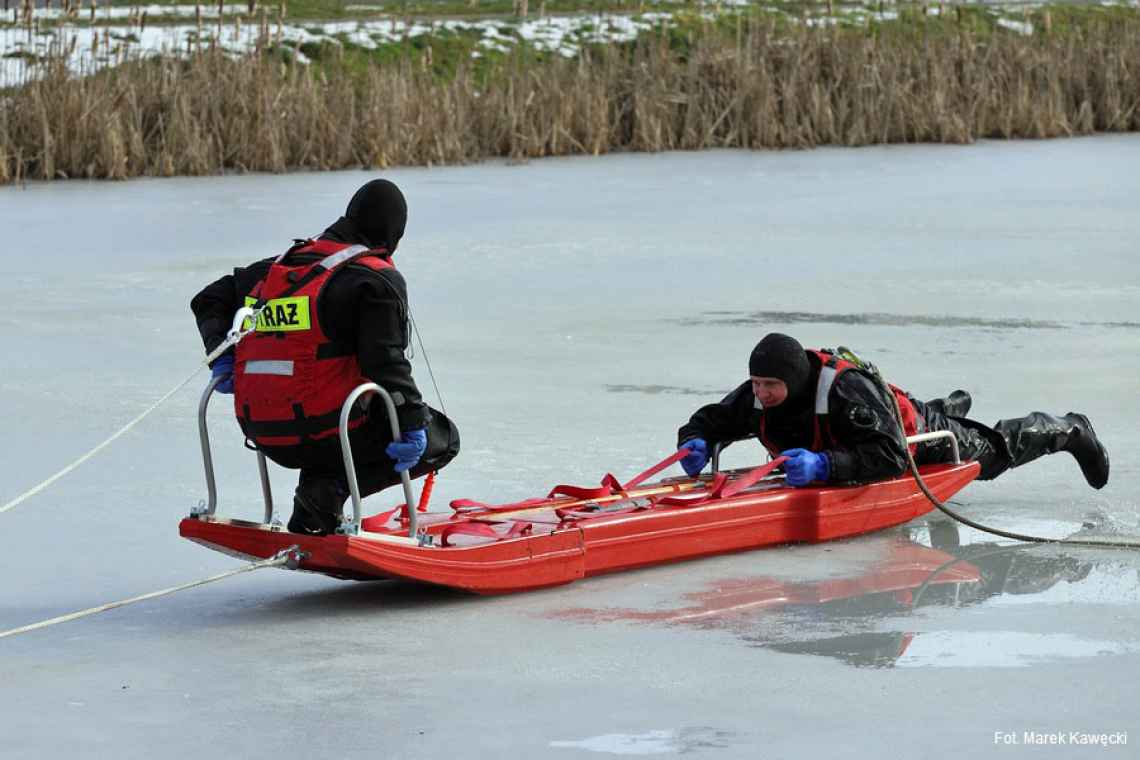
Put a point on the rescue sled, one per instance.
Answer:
(573, 532)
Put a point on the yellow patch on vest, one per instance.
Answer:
(283, 314)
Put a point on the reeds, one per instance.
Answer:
(755, 86)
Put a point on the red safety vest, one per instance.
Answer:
(290, 379)
(831, 367)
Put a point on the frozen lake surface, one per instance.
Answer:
(576, 312)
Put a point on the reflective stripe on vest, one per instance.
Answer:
(831, 367)
(290, 379)
(827, 377)
(336, 259)
(269, 367)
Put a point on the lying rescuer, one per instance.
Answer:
(337, 316)
(835, 424)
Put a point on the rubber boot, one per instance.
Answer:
(1038, 434)
(957, 404)
(317, 506)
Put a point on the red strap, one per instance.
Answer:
(722, 487)
(578, 492)
(727, 491)
(666, 462)
(611, 482)
(470, 505)
(482, 529)
(566, 513)
(425, 493)
(691, 499)
(610, 485)
(379, 522)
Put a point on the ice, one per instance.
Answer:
(576, 311)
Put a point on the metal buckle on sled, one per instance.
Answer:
(294, 556)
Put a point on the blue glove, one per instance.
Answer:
(223, 366)
(408, 450)
(697, 458)
(804, 466)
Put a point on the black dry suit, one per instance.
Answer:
(864, 428)
(365, 308)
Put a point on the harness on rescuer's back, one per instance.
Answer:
(832, 365)
(290, 378)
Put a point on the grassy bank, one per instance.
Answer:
(747, 81)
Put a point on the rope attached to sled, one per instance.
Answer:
(232, 339)
(913, 467)
(290, 557)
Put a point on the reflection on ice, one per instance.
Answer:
(867, 618)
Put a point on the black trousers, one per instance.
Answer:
(375, 470)
(1016, 441)
(976, 441)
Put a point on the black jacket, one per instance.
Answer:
(860, 416)
(358, 305)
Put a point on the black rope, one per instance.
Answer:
(967, 521)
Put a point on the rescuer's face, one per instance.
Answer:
(770, 391)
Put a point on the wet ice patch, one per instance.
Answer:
(1002, 649)
(650, 743)
(658, 742)
(1112, 584)
(868, 318)
(670, 390)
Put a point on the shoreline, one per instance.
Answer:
(508, 164)
(687, 82)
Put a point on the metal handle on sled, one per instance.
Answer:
(208, 459)
(350, 467)
(718, 447)
(920, 438)
(934, 436)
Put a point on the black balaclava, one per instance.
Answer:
(783, 358)
(790, 424)
(375, 217)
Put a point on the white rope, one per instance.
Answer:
(431, 374)
(283, 557)
(233, 339)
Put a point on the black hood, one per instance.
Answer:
(376, 217)
(782, 357)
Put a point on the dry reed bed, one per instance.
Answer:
(756, 88)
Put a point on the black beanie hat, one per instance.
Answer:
(379, 213)
(781, 357)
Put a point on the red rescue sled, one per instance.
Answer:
(574, 532)
(562, 539)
